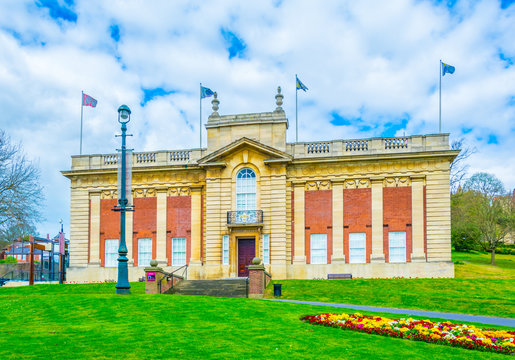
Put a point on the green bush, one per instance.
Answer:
(464, 236)
(506, 250)
(9, 260)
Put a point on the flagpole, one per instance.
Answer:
(81, 112)
(440, 102)
(296, 112)
(200, 126)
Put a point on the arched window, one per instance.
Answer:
(246, 190)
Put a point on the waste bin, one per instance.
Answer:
(277, 289)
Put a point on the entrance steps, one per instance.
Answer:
(233, 287)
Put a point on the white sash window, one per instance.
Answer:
(397, 246)
(111, 253)
(246, 190)
(357, 248)
(266, 249)
(144, 251)
(225, 247)
(318, 248)
(178, 251)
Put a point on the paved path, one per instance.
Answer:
(435, 314)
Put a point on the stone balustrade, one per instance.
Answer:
(354, 147)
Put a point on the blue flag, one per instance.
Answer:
(205, 92)
(447, 69)
(300, 85)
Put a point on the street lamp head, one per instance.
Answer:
(124, 114)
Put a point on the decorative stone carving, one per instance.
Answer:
(179, 191)
(145, 192)
(279, 99)
(397, 181)
(356, 184)
(318, 185)
(109, 194)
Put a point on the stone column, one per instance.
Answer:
(196, 220)
(161, 226)
(417, 219)
(377, 220)
(338, 253)
(129, 236)
(94, 232)
(299, 229)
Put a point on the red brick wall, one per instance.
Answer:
(319, 219)
(425, 224)
(357, 217)
(109, 225)
(397, 215)
(144, 224)
(178, 223)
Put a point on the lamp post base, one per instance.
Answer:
(123, 291)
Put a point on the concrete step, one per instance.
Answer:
(221, 288)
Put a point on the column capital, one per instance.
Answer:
(417, 178)
(196, 188)
(377, 179)
(161, 189)
(298, 183)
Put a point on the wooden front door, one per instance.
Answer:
(246, 252)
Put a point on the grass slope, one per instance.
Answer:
(90, 321)
(479, 289)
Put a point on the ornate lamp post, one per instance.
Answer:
(122, 286)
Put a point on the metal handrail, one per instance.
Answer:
(169, 276)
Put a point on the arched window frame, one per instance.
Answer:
(246, 190)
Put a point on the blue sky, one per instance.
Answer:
(371, 68)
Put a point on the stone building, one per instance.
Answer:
(375, 207)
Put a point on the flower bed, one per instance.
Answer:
(445, 333)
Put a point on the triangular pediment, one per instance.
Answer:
(216, 158)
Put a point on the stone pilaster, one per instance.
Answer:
(161, 226)
(196, 216)
(417, 219)
(377, 220)
(94, 235)
(338, 253)
(299, 213)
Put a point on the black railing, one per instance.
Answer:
(244, 217)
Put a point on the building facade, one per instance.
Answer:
(375, 207)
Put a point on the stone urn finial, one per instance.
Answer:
(215, 103)
(153, 262)
(279, 99)
(256, 261)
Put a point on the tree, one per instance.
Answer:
(464, 234)
(490, 210)
(458, 167)
(20, 191)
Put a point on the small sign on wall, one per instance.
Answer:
(151, 276)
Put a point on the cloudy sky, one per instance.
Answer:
(372, 69)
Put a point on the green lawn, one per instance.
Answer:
(478, 288)
(476, 265)
(90, 321)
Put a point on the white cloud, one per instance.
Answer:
(373, 60)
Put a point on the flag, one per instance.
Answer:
(300, 85)
(205, 92)
(88, 101)
(446, 68)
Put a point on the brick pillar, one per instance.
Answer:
(417, 219)
(256, 279)
(153, 276)
(299, 211)
(338, 254)
(377, 220)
